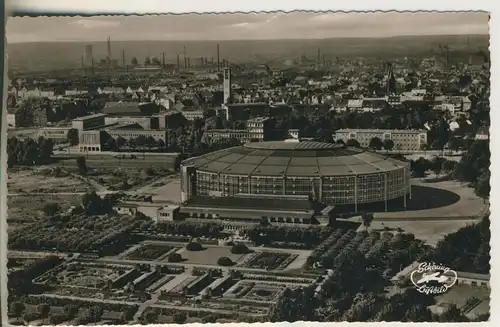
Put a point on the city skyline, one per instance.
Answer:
(244, 26)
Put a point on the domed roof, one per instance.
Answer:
(298, 159)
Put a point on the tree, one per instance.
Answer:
(482, 187)
(194, 246)
(353, 143)
(82, 165)
(375, 143)
(225, 261)
(147, 62)
(17, 308)
(436, 165)
(96, 312)
(120, 142)
(93, 204)
(294, 305)
(141, 140)
(151, 317)
(388, 144)
(419, 167)
(72, 137)
(175, 257)
(51, 208)
(155, 61)
(71, 310)
(452, 314)
(134, 62)
(43, 310)
(367, 219)
(240, 248)
(179, 318)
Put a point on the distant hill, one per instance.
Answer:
(68, 54)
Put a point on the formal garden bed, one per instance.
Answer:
(269, 260)
(151, 252)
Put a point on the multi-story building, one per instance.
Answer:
(192, 114)
(90, 141)
(145, 122)
(55, 133)
(403, 139)
(89, 122)
(241, 135)
(245, 111)
(129, 133)
(111, 90)
(260, 128)
(75, 92)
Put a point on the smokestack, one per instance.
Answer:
(218, 58)
(109, 48)
(123, 58)
(178, 64)
(319, 62)
(202, 62)
(163, 59)
(185, 58)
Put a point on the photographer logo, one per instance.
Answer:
(430, 278)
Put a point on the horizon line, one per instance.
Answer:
(249, 39)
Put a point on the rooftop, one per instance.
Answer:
(294, 159)
(89, 117)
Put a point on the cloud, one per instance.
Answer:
(95, 23)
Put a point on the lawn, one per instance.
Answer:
(209, 255)
(29, 181)
(149, 252)
(268, 260)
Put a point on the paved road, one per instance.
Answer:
(164, 263)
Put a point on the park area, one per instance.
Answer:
(80, 275)
(209, 255)
(46, 180)
(270, 260)
(29, 208)
(255, 291)
(125, 178)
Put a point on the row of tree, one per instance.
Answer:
(28, 152)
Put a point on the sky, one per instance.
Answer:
(243, 26)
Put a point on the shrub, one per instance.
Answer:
(263, 293)
(225, 261)
(56, 319)
(240, 248)
(175, 257)
(31, 316)
(194, 246)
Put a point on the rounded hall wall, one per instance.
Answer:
(333, 190)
